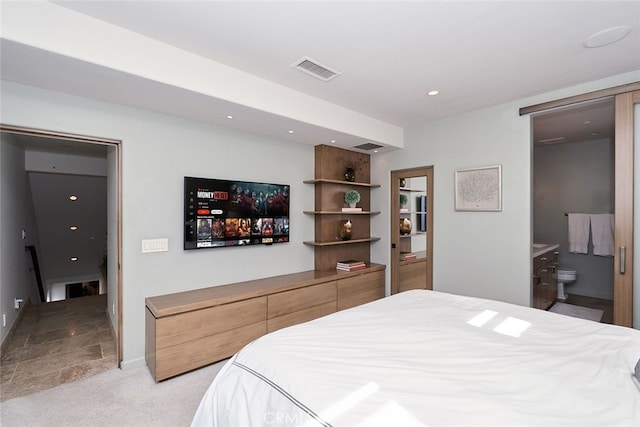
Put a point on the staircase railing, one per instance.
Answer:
(36, 269)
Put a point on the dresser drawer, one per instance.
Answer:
(545, 259)
(175, 360)
(360, 289)
(301, 299)
(197, 324)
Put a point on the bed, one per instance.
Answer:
(427, 358)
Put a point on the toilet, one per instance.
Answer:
(564, 276)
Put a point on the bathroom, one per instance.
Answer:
(573, 172)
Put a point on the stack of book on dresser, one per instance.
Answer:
(404, 256)
(350, 265)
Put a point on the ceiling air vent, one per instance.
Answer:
(368, 146)
(309, 66)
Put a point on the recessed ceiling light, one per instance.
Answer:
(333, 141)
(606, 37)
(551, 141)
(290, 131)
(73, 228)
(73, 197)
(74, 258)
(229, 117)
(433, 92)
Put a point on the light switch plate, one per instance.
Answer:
(155, 245)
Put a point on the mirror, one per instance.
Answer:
(411, 229)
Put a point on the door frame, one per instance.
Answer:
(115, 144)
(417, 172)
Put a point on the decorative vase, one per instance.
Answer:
(403, 182)
(350, 174)
(345, 229)
(405, 226)
(352, 204)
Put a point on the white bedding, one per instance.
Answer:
(425, 358)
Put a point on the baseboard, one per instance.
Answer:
(594, 294)
(125, 365)
(14, 326)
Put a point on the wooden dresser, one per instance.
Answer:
(191, 329)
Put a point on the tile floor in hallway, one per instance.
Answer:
(56, 343)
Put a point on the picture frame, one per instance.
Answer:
(479, 189)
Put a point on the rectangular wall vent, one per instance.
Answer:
(311, 67)
(368, 146)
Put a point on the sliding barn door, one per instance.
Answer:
(623, 268)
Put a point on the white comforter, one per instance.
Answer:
(425, 358)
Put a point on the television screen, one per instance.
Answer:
(220, 213)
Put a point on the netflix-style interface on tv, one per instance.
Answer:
(221, 213)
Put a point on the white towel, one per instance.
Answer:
(602, 229)
(579, 233)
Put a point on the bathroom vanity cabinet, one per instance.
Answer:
(545, 284)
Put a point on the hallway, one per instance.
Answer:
(56, 343)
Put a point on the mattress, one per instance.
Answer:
(427, 358)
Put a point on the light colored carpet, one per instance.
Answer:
(577, 311)
(113, 398)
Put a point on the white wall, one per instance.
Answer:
(16, 213)
(485, 254)
(482, 254)
(157, 152)
(40, 161)
(113, 195)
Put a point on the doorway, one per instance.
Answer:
(574, 173)
(626, 98)
(62, 148)
(411, 229)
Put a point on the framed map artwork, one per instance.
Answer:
(479, 189)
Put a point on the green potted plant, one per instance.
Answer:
(352, 197)
(403, 199)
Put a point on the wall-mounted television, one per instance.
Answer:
(221, 213)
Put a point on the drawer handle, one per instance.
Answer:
(544, 258)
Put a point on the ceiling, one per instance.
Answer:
(388, 55)
(56, 213)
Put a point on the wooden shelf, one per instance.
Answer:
(413, 190)
(341, 213)
(329, 188)
(413, 234)
(341, 242)
(336, 181)
(420, 257)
